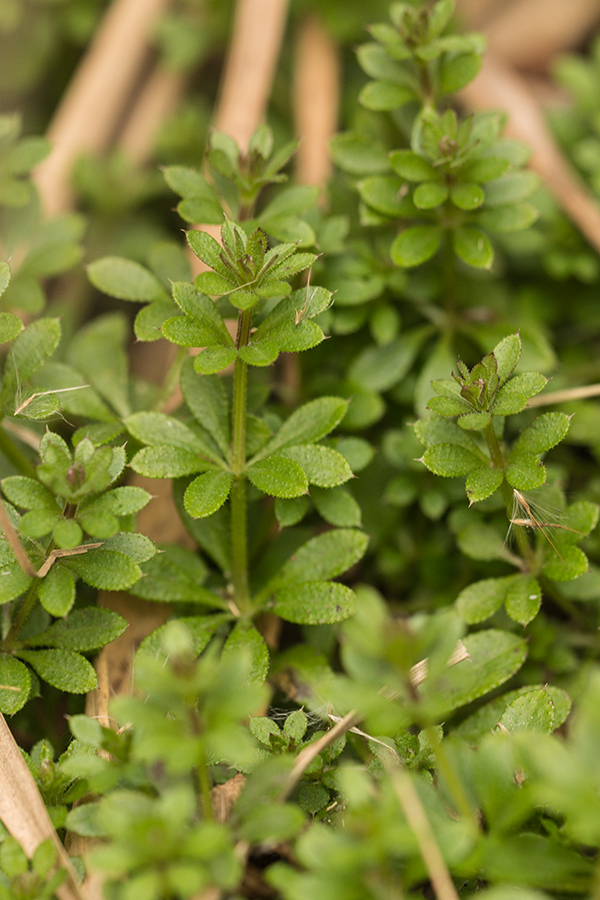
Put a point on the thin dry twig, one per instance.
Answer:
(155, 102)
(416, 817)
(17, 548)
(417, 675)
(497, 85)
(24, 814)
(316, 101)
(530, 33)
(258, 28)
(95, 99)
(567, 395)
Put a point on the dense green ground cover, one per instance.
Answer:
(385, 622)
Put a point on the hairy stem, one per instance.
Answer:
(498, 462)
(239, 525)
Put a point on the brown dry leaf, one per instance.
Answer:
(499, 87)
(225, 796)
(24, 814)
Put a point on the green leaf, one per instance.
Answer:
(158, 428)
(200, 628)
(533, 711)
(416, 245)
(382, 192)
(481, 541)
(487, 717)
(57, 591)
(513, 396)
(262, 353)
(513, 188)
(482, 599)
(411, 166)
(84, 629)
(5, 280)
(15, 684)
(28, 493)
(473, 421)
(207, 400)
(151, 318)
(10, 327)
(523, 599)
(337, 506)
(137, 547)
(380, 368)
(214, 359)
(472, 246)
(494, 656)
(67, 534)
(244, 635)
(104, 569)
(120, 501)
(291, 202)
(506, 219)
(430, 194)
(467, 195)
(545, 432)
(323, 466)
(201, 308)
(358, 155)
(507, 354)
(309, 423)
(384, 96)
(125, 279)
(457, 71)
(314, 603)
(98, 352)
(278, 476)
(569, 563)
(63, 669)
(290, 512)
(208, 250)
(29, 351)
(526, 472)
(207, 493)
(481, 483)
(168, 461)
(450, 460)
(325, 556)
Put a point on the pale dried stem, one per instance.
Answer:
(155, 103)
(479, 13)
(416, 817)
(24, 814)
(316, 101)
(497, 85)
(530, 33)
(96, 96)
(258, 28)
(247, 78)
(568, 395)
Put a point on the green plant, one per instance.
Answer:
(341, 704)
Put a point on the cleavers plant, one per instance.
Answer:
(404, 747)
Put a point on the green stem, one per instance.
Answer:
(524, 547)
(15, 456)
(171, 379)
(22, 616)
(239, 524)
